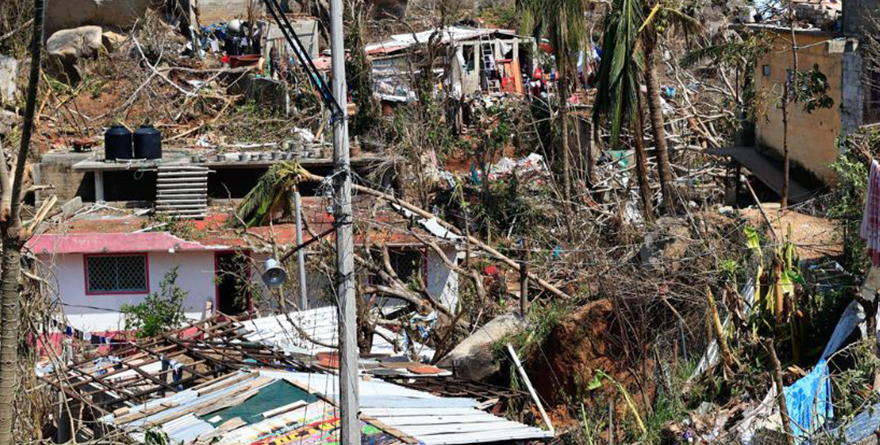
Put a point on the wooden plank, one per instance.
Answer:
(285, 408)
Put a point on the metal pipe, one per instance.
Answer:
(300, 254)
(525, 377)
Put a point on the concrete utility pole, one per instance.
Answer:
(301, 255)
(350, 431)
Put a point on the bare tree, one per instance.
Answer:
(13, 239)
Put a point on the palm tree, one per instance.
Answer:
(563, 23)
(273, 194)
(618, 87)
(13, 238)
(662, 15)
(630, 43)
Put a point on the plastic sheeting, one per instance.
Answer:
(809, 401)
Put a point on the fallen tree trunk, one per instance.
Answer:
(428, 215)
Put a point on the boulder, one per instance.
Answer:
(473, 358)
(64, 14)
(8, 75)
(113, 40)
(70, 45)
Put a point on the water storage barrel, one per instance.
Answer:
(117, 143)
(147, 143)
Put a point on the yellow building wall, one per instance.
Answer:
(812, 137)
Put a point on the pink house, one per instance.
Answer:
(98, 263)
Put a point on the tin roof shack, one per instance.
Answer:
(473, 60)
(102, 260)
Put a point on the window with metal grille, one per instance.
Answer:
(108, 274)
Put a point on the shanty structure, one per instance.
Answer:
(472, 59)
(262, 407)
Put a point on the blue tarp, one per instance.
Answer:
(809, 401)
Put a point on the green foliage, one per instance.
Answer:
(812, 90)
(501, 15)
(155, 436)
(851, 388)
(620, 68)
(849, 199)
(741, 56)
(180, 228)
(160, 311)
(272, 194)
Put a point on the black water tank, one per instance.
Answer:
(117, 143)
(147, 143)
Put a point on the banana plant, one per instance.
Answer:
(596, 383)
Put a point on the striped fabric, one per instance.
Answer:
(870, 230)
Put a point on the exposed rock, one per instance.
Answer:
(666, 244)
(67, 46)
(8, 120)
(77, 43)
(473, 358)
(63, 14)
(8, 74)
(113, 40)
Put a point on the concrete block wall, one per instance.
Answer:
(56, 169)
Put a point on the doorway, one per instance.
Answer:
(232, 274)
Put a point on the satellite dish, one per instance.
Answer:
(274, 275)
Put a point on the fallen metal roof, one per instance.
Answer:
(403, 415)
(311, 331)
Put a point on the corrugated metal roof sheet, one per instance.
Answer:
(319, 324)
(427, 418)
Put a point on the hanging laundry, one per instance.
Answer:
(870, 229)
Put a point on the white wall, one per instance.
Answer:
(101, 312)
(94, 313)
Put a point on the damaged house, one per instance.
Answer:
(829, 38)
(104, 260)
(470, 60)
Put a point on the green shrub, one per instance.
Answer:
(160, 311)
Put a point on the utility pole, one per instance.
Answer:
(350, 432)
(301, 254)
